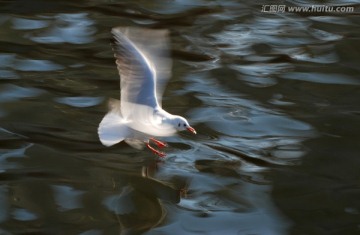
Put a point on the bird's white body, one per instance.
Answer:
(144, 67)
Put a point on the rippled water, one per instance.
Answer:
(274, 98)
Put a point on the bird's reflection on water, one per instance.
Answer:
(141, 203)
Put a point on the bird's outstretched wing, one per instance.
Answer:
(144, 67)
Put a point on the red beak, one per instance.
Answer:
(192, 130)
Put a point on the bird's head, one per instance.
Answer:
(182, 124)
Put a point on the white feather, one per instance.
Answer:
(113, 128)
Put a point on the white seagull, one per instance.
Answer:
(144, 67)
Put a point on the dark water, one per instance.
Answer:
(274, 98)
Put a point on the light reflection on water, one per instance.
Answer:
(257, 86)
(13, 92)
(59, 28)
(80, 102)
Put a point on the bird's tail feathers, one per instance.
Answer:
(113, 128)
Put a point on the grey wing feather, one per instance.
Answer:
(144, 66)
(137, 76)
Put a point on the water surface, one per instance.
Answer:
(274, 98)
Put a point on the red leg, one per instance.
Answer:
(157, 152)
(159, 143)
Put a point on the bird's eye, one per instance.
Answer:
(184, 124)
(179, 124)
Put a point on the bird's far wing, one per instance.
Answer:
(144, 63)
(135, 143)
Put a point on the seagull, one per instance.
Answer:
(144, 68)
